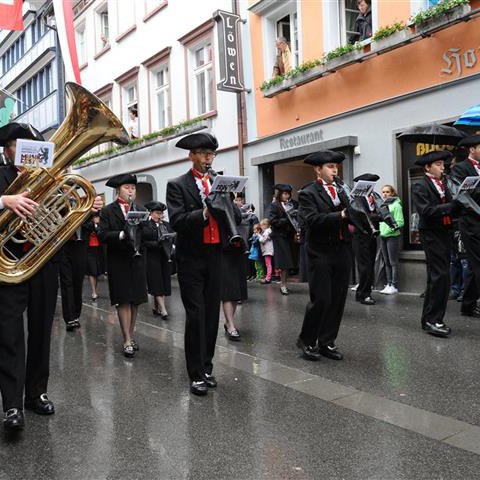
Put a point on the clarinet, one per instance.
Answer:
(132, 229)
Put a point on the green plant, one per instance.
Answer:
(160, 133)
(272, 82)
(384, 32)
(340, 51)
(437, 10)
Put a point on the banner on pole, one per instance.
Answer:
(11, 17)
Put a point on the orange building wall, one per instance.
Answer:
(392, 11)
(312, 34)
(407, 69)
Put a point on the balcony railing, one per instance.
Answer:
(29, 58)
(43, 115)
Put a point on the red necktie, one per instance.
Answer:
(333, 192)
(211, 233)
(124, 203)
(446, 219)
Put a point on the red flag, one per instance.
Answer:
(11, 17)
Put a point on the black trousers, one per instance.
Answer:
(329, 273)
(40, 295)
(199, 279)
(437, 245)
(72, 271)
(365, 249)
(471, 241)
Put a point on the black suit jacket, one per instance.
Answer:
(460, 171)
(429, 205)
(322, 219)
(185, 212)
(281, 225)
(8, 173)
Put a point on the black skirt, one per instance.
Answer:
(282, 253)
(234, 278)
(95, 261)
(158, 273)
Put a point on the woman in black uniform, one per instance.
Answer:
(283, 233)
(127, 278)
(159, 244)
(95, 263)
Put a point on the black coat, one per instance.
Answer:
(322, 219)
(127, 278)
(363, 25)
(283, 235)
(429, 205)
(467, 219)
(185, 211)
(158, 256)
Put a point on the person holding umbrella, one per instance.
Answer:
(469, 225)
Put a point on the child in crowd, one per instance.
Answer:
(266, 244)
(256, 253)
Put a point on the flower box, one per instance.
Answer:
(435, 23)
(344, 60)
(393, 40)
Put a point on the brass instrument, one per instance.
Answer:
(64, 199)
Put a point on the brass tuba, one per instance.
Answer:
(64, 199)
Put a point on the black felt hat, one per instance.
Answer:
(198, 140)
(155, 206)
(283, 187)
(368, 177)
(122, 179)
(324, 156)
(12, 131)
(428, 158)
(470, 141)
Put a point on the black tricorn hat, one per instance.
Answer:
(283, 187)
(368, 177)
(470, 141)
(12, 131)
(198, 140)
(122, 179)
(155, 206)
(428, 158)
(324, 156)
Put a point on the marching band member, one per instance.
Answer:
(95, 257)
(126, 269)
(199, 258)
(322, 208)
(159, 251)
(433, 202)
(365, 248)
(283, 233)
(469, 226)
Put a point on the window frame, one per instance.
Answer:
(165, 90)
(82, 52)
(101, 45)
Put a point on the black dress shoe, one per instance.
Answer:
(13, 420)
(128, 351)
(71, 326)
(164, 316)
(211, 381)
(199, 387)
(330, 351)
(134, 345)
(41, 405)
(367, 301)
(437, 329)
(475, 312)
(309, 352)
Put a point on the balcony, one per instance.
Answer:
(31, 56)
(43, 115)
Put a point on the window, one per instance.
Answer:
(14, 53)
(287, 27)
(160, 95)
(34, 90)
(348, 15)
(102, 28)
(81, 44)
(203, 77)
(131, 110)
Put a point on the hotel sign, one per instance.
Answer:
(456, 60)
(229, 52)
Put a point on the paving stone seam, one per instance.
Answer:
(461, 428)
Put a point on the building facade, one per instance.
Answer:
(31, 70)
(157, 68)
(360, 102)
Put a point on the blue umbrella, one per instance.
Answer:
(470, 120)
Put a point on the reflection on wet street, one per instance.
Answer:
(402, 404)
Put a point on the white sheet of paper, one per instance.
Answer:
(468, 184)
(136, 215)
(228, 184)
(362, 188)
(33, 153)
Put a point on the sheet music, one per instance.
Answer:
(228, 184)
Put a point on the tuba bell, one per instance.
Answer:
(64, 199)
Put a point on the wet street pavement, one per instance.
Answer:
(401, 405)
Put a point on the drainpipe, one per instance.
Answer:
(241, 113)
